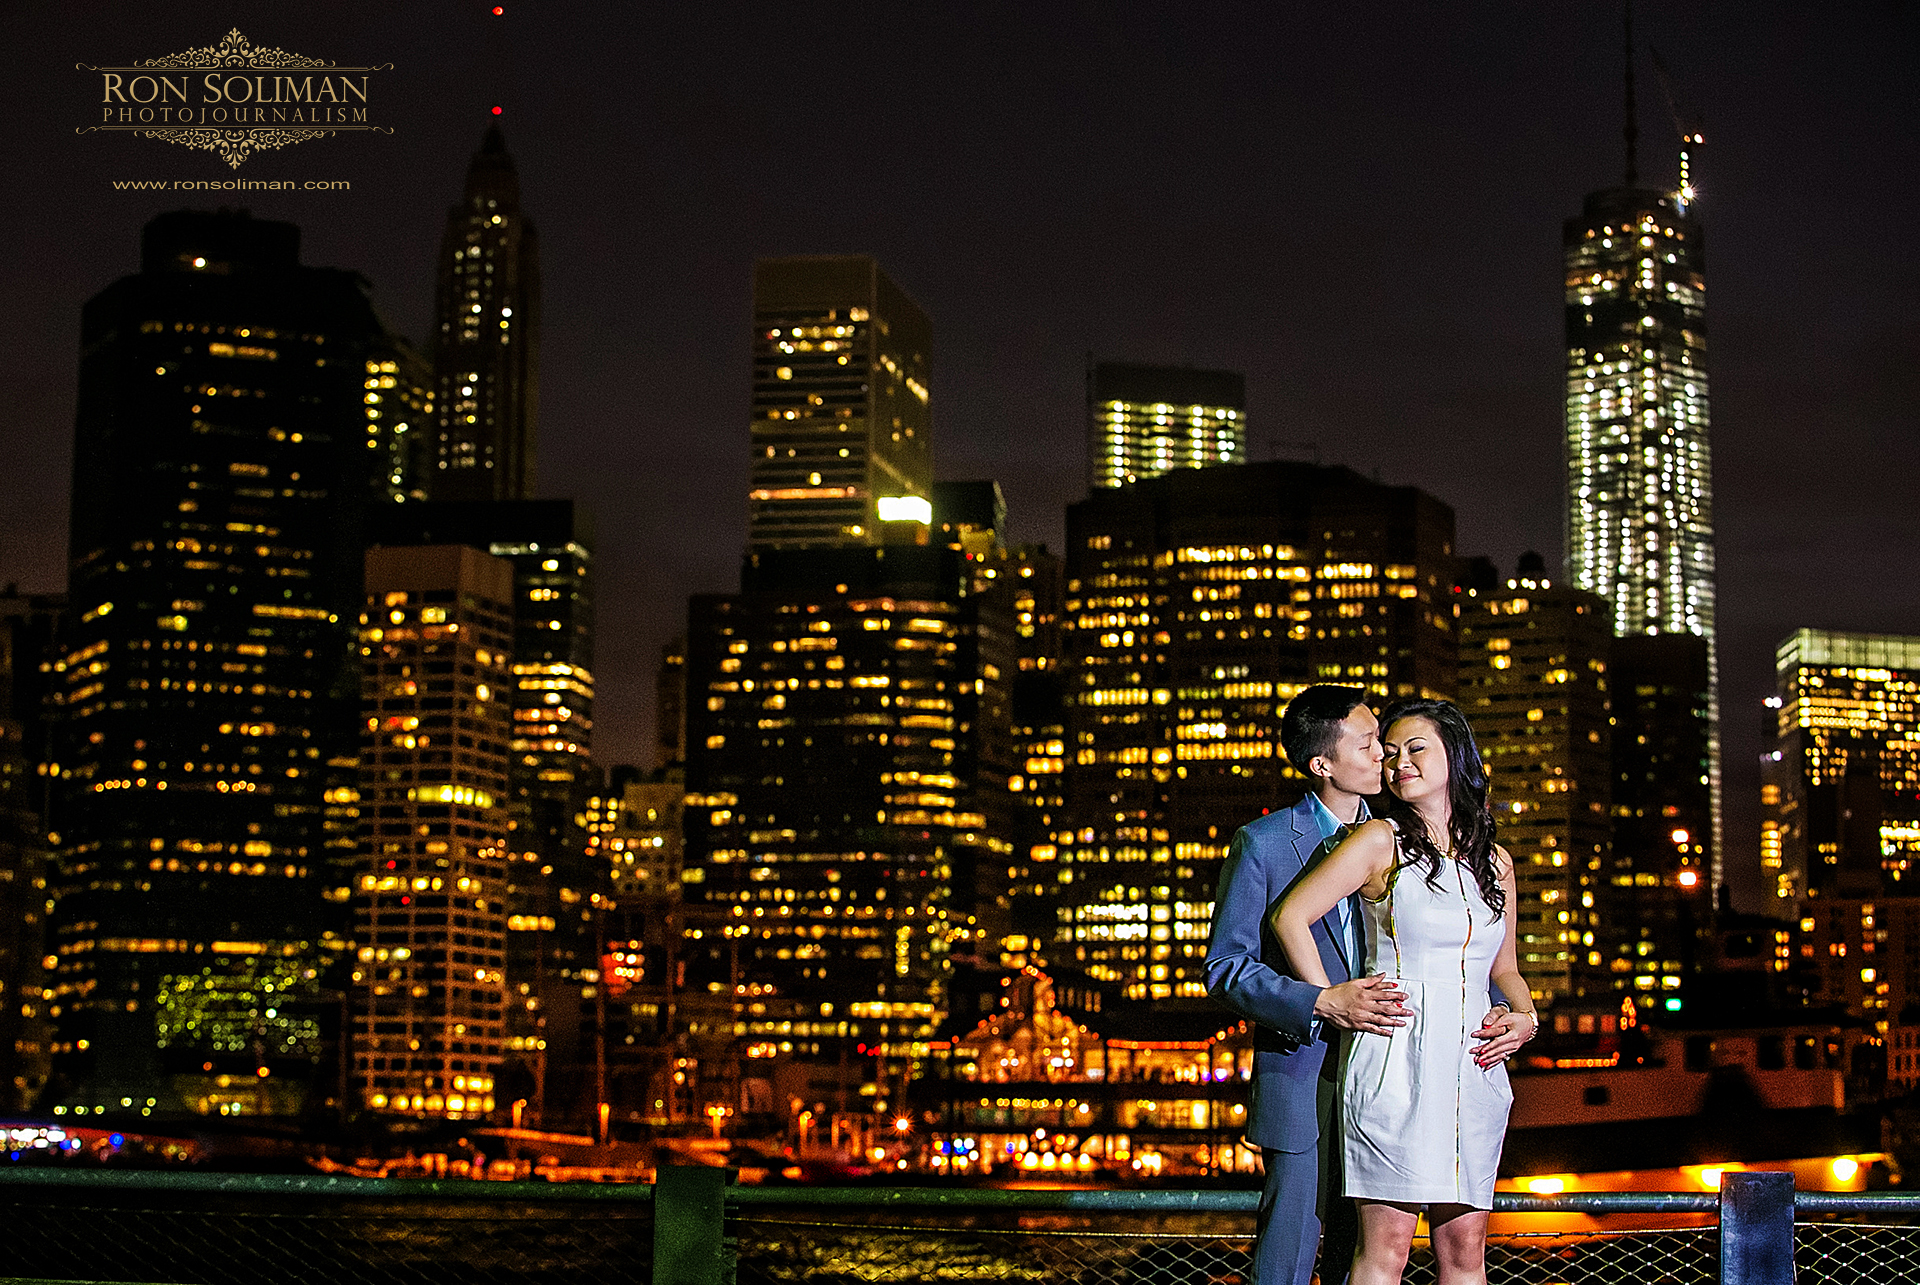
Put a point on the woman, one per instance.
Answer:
(1424, 1108)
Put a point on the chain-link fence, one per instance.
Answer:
(1868, 1249)
(254, 1234)
(790, 1247)
(200, 1229)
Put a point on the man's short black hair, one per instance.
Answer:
(1310, 726)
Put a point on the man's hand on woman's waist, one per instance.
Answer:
(1373, 1004)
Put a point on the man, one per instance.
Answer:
(1332, 738)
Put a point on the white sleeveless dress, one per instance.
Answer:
(1422, 1123)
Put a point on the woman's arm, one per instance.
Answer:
(1362, 859)
(1504, 1034)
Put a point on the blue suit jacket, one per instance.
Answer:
(1248, 972)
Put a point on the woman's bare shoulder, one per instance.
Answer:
(1377, 838)
(1377, 830)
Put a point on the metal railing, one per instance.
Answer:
(695, 1228)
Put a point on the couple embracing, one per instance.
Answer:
(1368, 934)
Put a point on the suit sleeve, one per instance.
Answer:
(1237, 975)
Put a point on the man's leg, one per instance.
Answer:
(1289, 1230)
(1339, 1218)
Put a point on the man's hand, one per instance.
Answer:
(1502, 1032)
(1372, 1004)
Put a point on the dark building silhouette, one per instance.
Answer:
(1197, 605)
(1657, 900)
(29, 636)
(209, 682)
(1144, 421)
(842, 412)
(486, 344)
(670, 707)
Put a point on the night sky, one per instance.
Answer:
(1359, 206)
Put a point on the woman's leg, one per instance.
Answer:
(1386, 1234)
(1459, 1243)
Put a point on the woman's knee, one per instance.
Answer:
(1460, 1243)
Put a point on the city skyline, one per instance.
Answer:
(1012, 411)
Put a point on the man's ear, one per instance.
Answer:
(1318, 766)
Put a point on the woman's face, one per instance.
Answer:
(1416, 762)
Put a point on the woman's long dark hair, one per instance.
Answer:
(1471, 821)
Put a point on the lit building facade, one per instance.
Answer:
(1197, 605)
(1032, 1091)
(1655, 902)
(1857, 953)
(208, 689)
(636, 831)
(486, 342)
(1534, 684)
(842, 412)
(1840, 782)
(1036, 582)
(1639, 464)
(554, 887)
(400, 421)
(1145, 421)
(430, 896)
(836, 793)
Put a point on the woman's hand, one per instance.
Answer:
(1501, 1033)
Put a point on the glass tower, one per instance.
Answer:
(1639, 468)
(842, 420)
(1143, 421)
(485, 347)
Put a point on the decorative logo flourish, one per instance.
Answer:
(250, 99)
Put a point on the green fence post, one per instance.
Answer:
(689, 1225)
(1756, 1228)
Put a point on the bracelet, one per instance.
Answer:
(1534, 1013)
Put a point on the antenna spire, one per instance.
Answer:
(1632, 131)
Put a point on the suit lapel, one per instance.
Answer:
(1306, 843)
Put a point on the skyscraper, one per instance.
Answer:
(1198, 604)
(1656, 899)
(551, 892)
(1840, 781)
(210, 692)
(842, 418)
(430, 894)
(486, 343)
(1143, 421)
(1533, 680)
(1639, 466)
(838, 806)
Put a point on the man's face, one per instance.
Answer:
(1354, 764)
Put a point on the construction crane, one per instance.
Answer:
(1690, 135)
